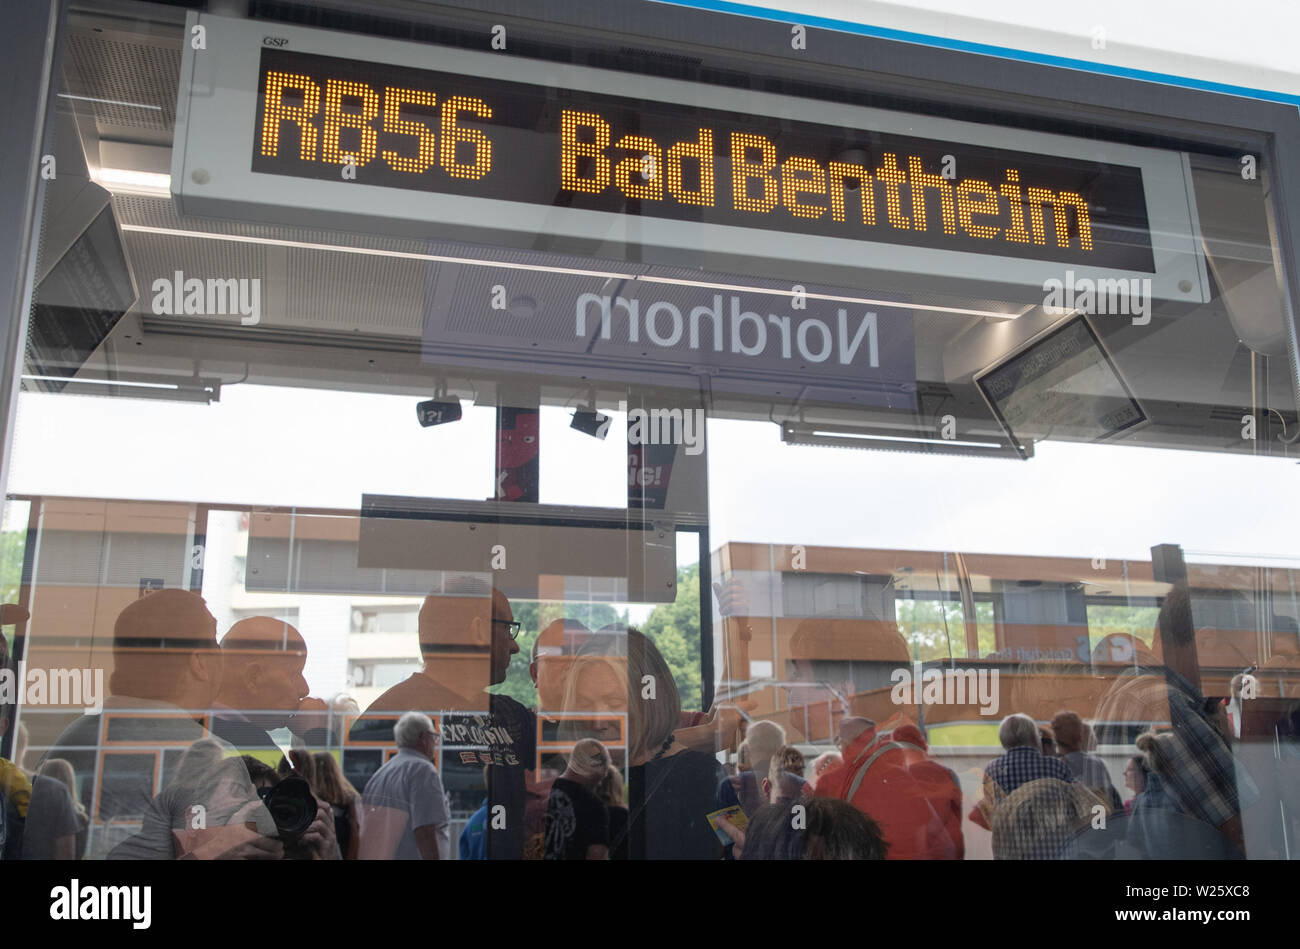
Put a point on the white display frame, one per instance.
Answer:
(217, 112)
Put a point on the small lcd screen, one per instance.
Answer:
(1063, 386)
(78, 303)
(392, 126)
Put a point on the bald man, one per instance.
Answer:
(467, 637)
(262, 685)
(167, 672)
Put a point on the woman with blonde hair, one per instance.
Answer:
(673, 775)
(61, 770)
(610, 792)
(344, 801)
(671, 788)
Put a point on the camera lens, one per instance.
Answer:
(292, 807)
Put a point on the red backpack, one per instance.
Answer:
(892, 778)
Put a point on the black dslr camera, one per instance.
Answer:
(293, 808)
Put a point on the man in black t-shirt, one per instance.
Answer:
(467, 636)
(577, 823)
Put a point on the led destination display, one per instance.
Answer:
(471, 136)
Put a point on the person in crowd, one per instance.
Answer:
(342, 709)
(1199, 771)
(473, 837)
(467, 637)
(298, 762)
(782, 786)
(552, 654)
(1047, 742)
(337, 791)
(577, 822)
(751, 788)
(890, 775)
(40, 815)
(672, 785)
(260, 773)
(792, 761)
(815, 829)
(1022, 762)
(197, 762)
(406, 813)
(167, 673)
(610, 793)
(826, 761)
(262, 684)
(1160, 828)
(226, 791)
(1073, 737)
(1135, 779)
(1157, 753)
(43, 820)
(1023, 759)
(62, 771)
(1041, 819)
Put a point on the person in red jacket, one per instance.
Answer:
(890, 776)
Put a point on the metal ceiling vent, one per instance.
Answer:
(129, 82)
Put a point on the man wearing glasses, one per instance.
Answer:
(467, 638)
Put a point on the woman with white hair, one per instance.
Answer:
(577, 823)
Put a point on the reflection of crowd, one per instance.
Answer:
(607, 766)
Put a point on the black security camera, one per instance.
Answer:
(594, 424)
(434, 412)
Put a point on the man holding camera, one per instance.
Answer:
(167, 672)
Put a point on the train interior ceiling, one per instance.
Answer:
(348, 310)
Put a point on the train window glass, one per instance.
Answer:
(554, 409)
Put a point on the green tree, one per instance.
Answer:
(675, 630)
(12, 546)
(673, 627)
(933, 629)
(534, 616)
(1140, 621)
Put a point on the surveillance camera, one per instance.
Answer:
(434, 412)
(594, 424)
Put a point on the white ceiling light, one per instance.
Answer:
(129, 181)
